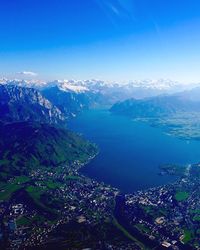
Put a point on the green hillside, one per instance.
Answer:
(27, 146)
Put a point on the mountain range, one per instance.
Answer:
(163, 105)
(120, 90)
(27, 104)
(178, 114)
(54, 102)
(67, 98)
(34, 135)
(40, 157)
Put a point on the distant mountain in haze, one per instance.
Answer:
(58, 100)
(132, 89)
(155, 107)
(192, 95)
(164, 105)
(178, 114)
(72, 96)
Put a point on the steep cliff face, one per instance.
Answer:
(27, 104)
(70, 103)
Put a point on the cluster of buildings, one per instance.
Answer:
(25, 223)
(166, 217)
(169, 216)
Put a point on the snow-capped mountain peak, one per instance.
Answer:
(132, 88)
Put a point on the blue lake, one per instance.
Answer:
(131, 152)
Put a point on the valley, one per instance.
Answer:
(99, 125)
(121, 182)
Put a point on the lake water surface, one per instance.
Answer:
(131, 152)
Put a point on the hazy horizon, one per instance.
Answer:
(121, 82)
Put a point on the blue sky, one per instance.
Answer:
(106, 39)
